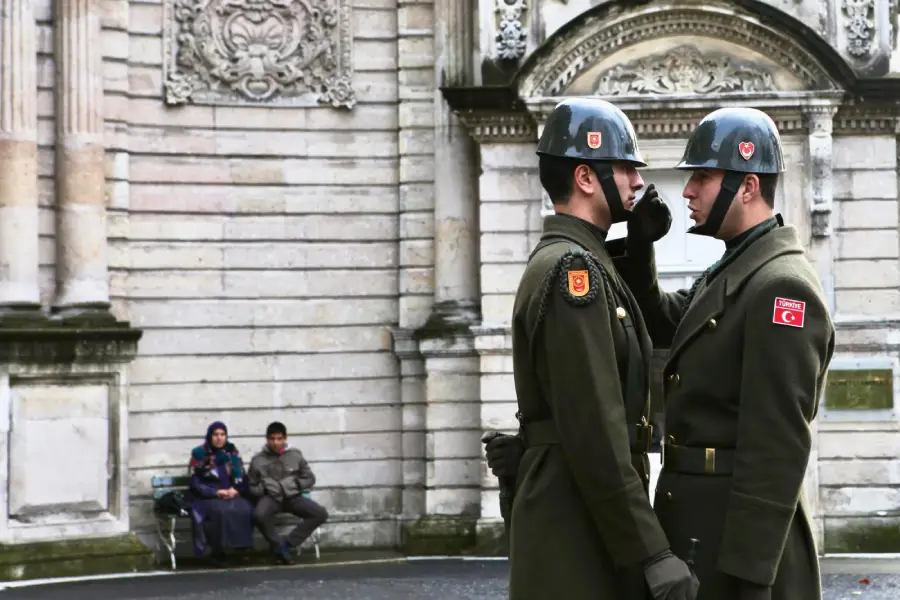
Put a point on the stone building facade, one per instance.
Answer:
(317, 212)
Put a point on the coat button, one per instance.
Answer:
(712, 324)
(671, 439)
(669, 495)
(674, 378)
(620, 312)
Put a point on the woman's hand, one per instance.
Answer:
(232, 493)
(222, 493)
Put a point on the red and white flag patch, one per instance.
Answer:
(789, 312)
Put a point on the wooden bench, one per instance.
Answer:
(161, 485)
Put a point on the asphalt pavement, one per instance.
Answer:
(401, 580)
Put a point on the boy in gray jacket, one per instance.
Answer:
(278, 476)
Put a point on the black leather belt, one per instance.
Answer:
(697, 461)
(544, 433)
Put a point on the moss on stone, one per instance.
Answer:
(491, 540)
(434, 535)
(870, 535)
(71, 558)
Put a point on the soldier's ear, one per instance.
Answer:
(750, 187)
(584, 179)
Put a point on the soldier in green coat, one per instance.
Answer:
(749, 345)
(582, 527)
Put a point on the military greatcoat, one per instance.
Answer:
(581, 523)
(747, 360)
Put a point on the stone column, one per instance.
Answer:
(19, 289)
(455, 173)
(452, 433)
(821, 252)
(81, 258)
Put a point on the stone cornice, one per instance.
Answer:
(60, 345)
(492, 114)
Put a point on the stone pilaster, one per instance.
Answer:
(412, 399)
(455, 173)
(81, 263)
(821, 253)
(19, 290)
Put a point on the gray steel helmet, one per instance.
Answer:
(590, 129)
(738, 141)
(735, 139)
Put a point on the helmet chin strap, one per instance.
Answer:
(604, 171)
(730, 184)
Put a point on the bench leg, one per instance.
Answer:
(167, 540)
(172, 541)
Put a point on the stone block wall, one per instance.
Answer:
(858, 459)
(263, 264)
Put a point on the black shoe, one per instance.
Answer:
(283, 555)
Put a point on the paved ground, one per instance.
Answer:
(427, 580)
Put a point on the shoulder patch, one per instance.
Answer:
(579, 276)
(789, 312)
(579, 283)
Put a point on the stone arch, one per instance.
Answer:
(756, 41)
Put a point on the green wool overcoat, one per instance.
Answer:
(581, 523)
(746, 366)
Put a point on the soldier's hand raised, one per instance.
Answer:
(669, 578)
(650, 219)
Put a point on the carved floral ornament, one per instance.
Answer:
(279, 52)
(684, 70)
(860, 25)
(511, 36)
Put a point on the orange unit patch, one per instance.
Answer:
(579, 283)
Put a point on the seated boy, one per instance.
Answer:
(278, 476)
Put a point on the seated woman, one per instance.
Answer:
(220, 516)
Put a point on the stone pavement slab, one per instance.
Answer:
(415, 580)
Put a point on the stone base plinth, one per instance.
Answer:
(117, 554)
(437, 535)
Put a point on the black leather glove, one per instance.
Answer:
(754, 591)
(649, 221)
(504, 453)
(669, 578)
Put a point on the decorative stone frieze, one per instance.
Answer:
(511, 35)
(245, 52)
(860, 26)
(496, 126)
(565, 57)
(684, 69)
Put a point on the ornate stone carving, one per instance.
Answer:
(511, 35)
(821, 174)
(567, 56)
(860, 26)
(499, 127)
(279, 52)
(684, 70)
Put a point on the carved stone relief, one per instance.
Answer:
(566, 57)
(277, 52)
(684, 70)
(860, 25)
(511, 33)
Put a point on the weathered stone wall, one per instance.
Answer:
(262, 262)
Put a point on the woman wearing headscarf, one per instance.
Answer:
(221, 516)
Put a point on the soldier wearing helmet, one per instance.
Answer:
(749, 345)
(582, 525)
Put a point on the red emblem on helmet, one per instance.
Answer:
(593, 139)
(746, 150)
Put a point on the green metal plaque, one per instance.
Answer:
(859, 389)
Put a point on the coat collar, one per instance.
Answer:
(709, 301)
(579, 231)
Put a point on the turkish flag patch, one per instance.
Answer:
(789, 312)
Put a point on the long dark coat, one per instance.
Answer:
(736, 379)
(581, 521)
